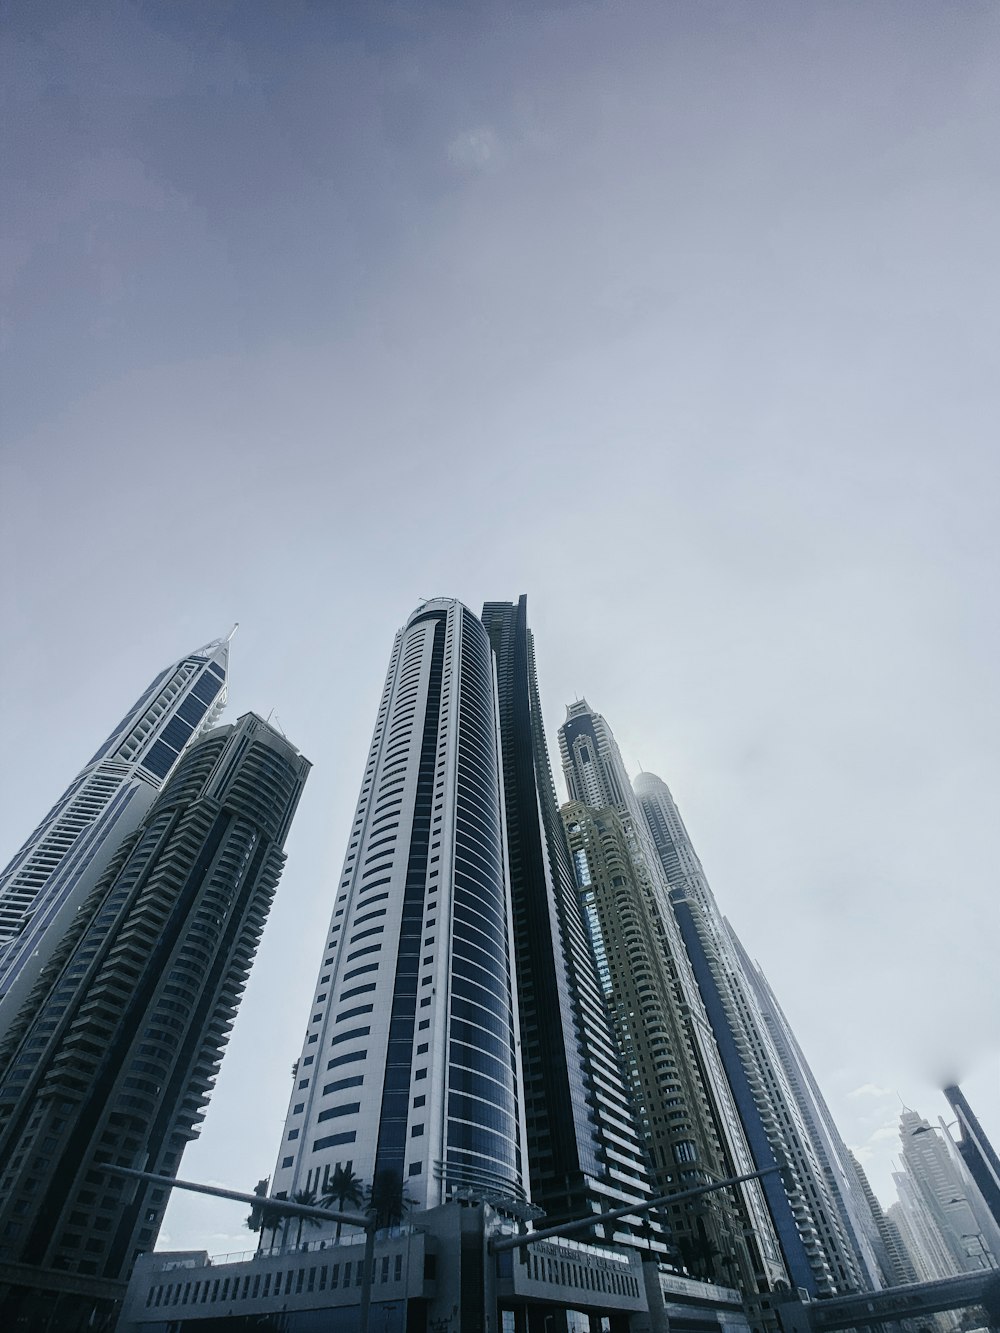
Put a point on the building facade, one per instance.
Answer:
(112, 1057)
(585, 1150)
(931, 1182)
(410, 1064)
(827, 1235)
(689, 1114)
(980, 1160)
(66, 854)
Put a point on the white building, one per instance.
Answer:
(69, 850)
(410, 1068)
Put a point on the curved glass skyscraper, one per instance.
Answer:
(65, 855)
(409, 1065)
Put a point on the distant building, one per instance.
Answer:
(934, 1195)
(828, 1236)
(66, 854)
(894, 1258)
(113, 1055)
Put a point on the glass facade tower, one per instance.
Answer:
(828, 1236)
(410, 1067)
(65, 855)
(585, 1150)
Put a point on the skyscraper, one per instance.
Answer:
(66, 854)
(585, 1151)
(410, 1067)
(826, 1234)
(112, 1057)
(689, 1115)
(894, 1257)
(977, 1153)
(932, 1182)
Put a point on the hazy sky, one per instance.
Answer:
(680, 317)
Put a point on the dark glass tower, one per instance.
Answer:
(585, 1151)
(827, 1233)
(976, 1151)
(112, 1057)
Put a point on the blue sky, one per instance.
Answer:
(682, 318)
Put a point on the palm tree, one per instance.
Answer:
(271, 1220)
(698, 1254)
(307, 1197)
(343, 1189)
(387, 1199)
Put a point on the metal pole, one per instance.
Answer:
(366, 1277)
(365, 1220)
(585, 1223)
(256, 1200)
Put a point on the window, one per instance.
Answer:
(332, 1140)
(348, 1108)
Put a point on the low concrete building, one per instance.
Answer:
(438, 1273)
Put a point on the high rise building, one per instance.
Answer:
(66, 854)
(112, 1057)
(854, 1247)
(932, 1181)
(410, 1064)
(584, 1148)
(977, 1153)
(828, 1237)
(894, 1258)
(920, 1232)
(689, 1115)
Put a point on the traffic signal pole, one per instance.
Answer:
(498, 1246)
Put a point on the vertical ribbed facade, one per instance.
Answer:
(585, 1150)
(73, 844)
(859, 1237)
(113, 1056)
(410, 1066)
(827, 1235)
(894, 1260)
(689, 1114)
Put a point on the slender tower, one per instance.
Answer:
(67, 853)
(409, 1074)
(585, 1150)
(689, 1114)
(827, 1235)
(976, 1151)
(113, 1055)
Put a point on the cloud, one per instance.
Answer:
(870, 1090)
(474, 149)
